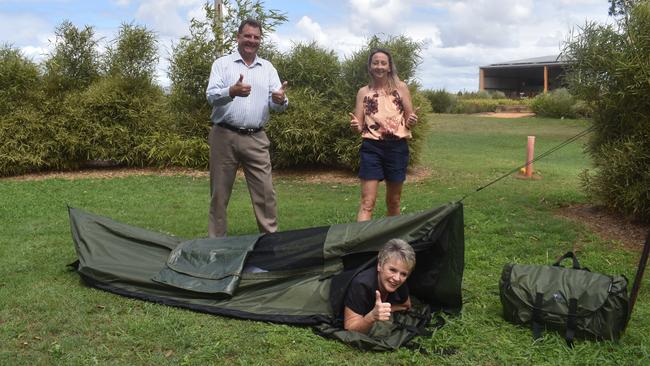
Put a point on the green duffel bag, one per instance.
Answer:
(573, 300)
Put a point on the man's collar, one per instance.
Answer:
(237, 57)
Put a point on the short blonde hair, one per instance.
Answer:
(397, 249)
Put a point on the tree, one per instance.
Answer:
(20, 80)
(133, 54)
(621, 7)
(74, 63)
(609, 70)
(193, 55)
(121, 110)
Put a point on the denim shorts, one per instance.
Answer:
(384, 160)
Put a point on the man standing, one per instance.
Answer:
(242, 89)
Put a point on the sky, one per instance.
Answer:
(457, 36)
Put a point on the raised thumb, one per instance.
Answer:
(241, 78)
(284, 86)
(378, 296)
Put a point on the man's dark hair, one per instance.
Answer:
(250, 22)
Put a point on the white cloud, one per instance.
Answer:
(427, 33)
(35, 53)
(377, 16)
(336, 38)
(485, 22)
(24, 29)
(311, 29)
(168, 17)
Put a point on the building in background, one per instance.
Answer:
(523, 78)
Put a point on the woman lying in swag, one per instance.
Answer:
(377, 292)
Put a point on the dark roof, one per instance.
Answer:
(535, 61)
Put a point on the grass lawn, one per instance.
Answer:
(47, 316)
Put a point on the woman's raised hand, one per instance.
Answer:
(354, 122)
(381, 311)
(413, 117)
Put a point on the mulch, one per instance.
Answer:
(608, 225)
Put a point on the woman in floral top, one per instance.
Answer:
(383, 115)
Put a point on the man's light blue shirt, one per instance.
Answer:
(248, 112)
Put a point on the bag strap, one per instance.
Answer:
(639, 274)
(537, 316)
(571, 322)
(576, 264)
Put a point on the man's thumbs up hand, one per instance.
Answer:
(239, 89)
(278, 96)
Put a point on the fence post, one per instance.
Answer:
(530, 155)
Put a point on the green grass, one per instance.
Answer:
(47, 316)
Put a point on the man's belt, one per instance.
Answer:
(240, 130)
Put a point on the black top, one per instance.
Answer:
(361, 296)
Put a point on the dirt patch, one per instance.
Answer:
(607, 225)
(505, 114)
(416, 174)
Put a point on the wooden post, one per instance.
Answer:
(218, 4)
(545, 79)
(481, 79)
(218, 24)
(530, 155)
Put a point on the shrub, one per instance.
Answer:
(310, 66)
(441, 101)
(609, 71)
(20, 81)
(304, 134)
(113, 119)
(189, 69)
(622, 177)
(133, 55)
(483, 94)
(26, 143)
(166, 148)
(480, 105)
(74, 63)
(420, 128)
(582, 109)
(497, 94)
(555, 104)
(315, 129)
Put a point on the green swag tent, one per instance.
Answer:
(295, 277)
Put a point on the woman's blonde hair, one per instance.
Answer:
(397, 249)
(393, 79)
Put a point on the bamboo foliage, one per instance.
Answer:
(84, 107)
(610, 70)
